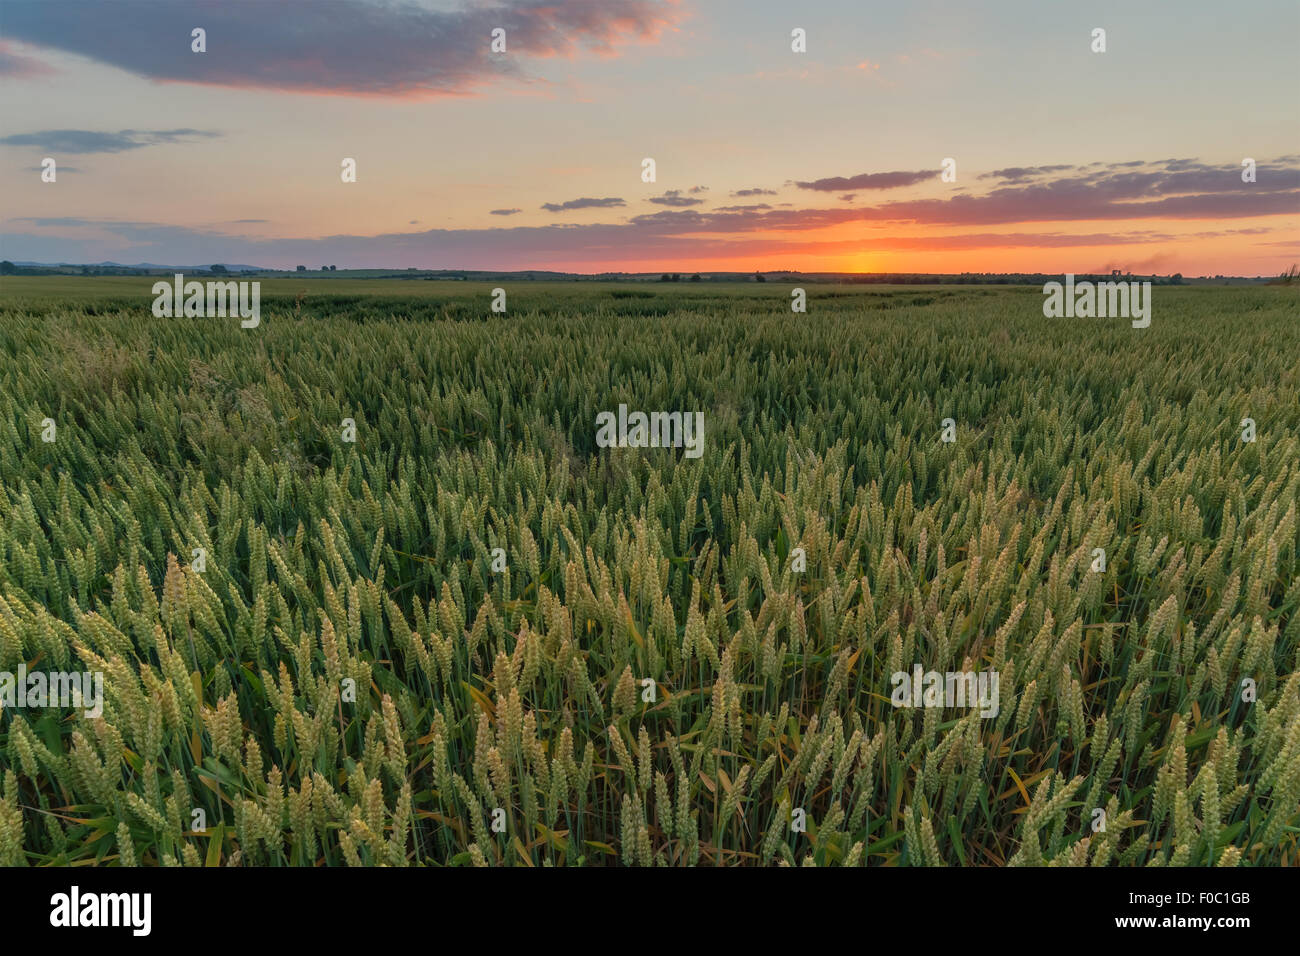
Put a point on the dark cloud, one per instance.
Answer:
(761, 205)
(504, 212)
(698, 189)
(848, 197)
(584, 203)
(892, 180)
(92, 141)
(675, 198)
(739, 193)
(340, 46)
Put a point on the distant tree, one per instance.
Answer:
(333, 268)
(302, 268)
(664, 278)
(696, 277)
(759, 277)
(218, 270)
(7, 268)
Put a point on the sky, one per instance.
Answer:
(1065, 159)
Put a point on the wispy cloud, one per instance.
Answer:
(1024, 173)
(583, 203)
(674, 197)
(892, 180)
(93, 141)
(504, 212)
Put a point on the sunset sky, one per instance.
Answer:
(828, 160)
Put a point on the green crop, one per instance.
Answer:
(653, 678)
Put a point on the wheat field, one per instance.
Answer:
(352, 678)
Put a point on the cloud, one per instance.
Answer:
(355, 47)
(1159, 193)
(583, 203)
(870, 181)
(91, 141)
(675, 198)
(1168, 189)
(517, 247)
(698, 189)
(753, 192)
(1022, 173)
(68, 221)
(848, 197)
(504, 212)
(19, 67)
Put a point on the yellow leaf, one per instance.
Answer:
(523, 854)
(1023, 792)
(631, 626)
(480, 698)
(214, 846)
(725, 780)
